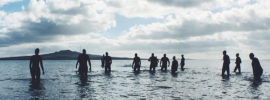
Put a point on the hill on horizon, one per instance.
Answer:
(62, 55)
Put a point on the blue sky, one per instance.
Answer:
(14, 6)
(198, 29)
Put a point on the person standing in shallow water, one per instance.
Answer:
(226, 64)
(237, 62)
(35, 61)
(174, 65)
(153, 62)
(136, 64)
(82, 61)
(182, 63)
(256, 66)
(164, 63)
(107, 62)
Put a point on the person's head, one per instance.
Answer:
(251, 56)
(237, 55)
(107, 54)
(37, 51)
(136, 54)
(164, 55)
(173, 57)
(224, 52)
(182, 55)
(153, 55)
(84, 51)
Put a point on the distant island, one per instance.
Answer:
(63, 55)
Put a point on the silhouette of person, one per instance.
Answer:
(163, 63)
(153, 62)
(136, 64)
(182, 63)
(256, 66)
(107, 62)
(237, 62)
(82, 61)
(35, 61)
(102, 61)
(226, 63)
(174, 65)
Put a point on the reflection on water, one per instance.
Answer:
(200, 80)
(36, 89)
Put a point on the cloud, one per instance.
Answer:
(180, 3)
(185, 26)
(44, 21)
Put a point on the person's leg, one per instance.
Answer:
(134, 68)
(166, 68)
(228, 70)
(32, 74)
(235, 69)
(223, 70)
(182, 67)
(151, 67)
(85, 71)
(106, 68)
(239, 68)
(38, 74)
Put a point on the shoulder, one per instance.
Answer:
(32, 57)
(256, 59)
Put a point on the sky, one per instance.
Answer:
(199, 29)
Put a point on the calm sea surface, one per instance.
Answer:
(200, 80)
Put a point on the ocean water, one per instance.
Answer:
(200, 80)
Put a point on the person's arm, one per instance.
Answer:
(140, 62)
(169, 63)
(89, 62)
(160, 62)
(133, 63)
(41, 64)
(110, 60)
(30, 64)
(240, 60)
(77, 64)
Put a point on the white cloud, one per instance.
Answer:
(44, 21)
(191, 27)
